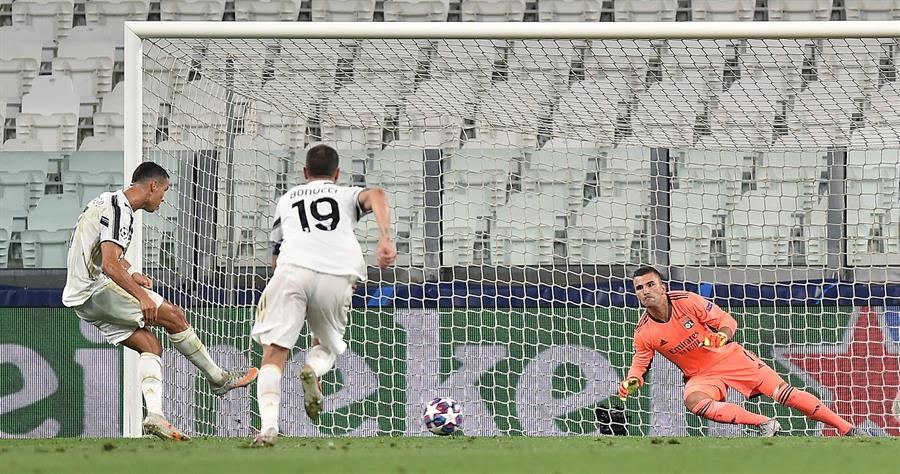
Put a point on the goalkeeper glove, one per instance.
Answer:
(628, 387)
(717, 339)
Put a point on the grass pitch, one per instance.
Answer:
(455, 455)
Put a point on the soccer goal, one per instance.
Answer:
(531, 167)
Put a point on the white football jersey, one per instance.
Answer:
(313, 228)
(107, 218)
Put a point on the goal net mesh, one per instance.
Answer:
(527, 178)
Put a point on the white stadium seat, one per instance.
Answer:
(92, 172)
(111, 16)
(486, 188)
(266, 10)
(50, 225)
(492, 10)
(644, 10)
(51, 18)
(86, 56)
(416, 10)
(198, 115)
(526, 228)
(110, 120)
(722, 10)
(569, 10)
(23, 172)
(20, 60)
(799, 10)
(50, 113)
(343, 10)
(191, 10)
(872, 9)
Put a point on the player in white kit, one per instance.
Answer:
(317, 261)
(107, 292)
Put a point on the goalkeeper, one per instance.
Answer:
(697, 336)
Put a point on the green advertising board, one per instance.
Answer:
(515, 371)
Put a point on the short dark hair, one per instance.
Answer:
(149, 171)
(321, 160)
(647, 271)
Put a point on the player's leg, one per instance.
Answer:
(805, 403)
(704, 396)
(327, 319)
(185, 341)
(268, 393)
(149, 368)
(280, 316)
(118, 316)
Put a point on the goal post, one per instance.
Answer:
(531, 167)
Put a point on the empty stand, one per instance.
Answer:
(722, 10)
(87, 57)
(50, 225)
(416, 10)
(266, 10)
(50, 113)
(191, 10)
(645, 10)
(342, 10)
(111, 15)
(570, 10)
(20, 60)
(492, 10)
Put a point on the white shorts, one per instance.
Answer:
(115, 312)
(295, 295)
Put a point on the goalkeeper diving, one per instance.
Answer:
(698, 337)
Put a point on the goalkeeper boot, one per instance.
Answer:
(157, 426)
(234, 380)
(264, 438)
(312, 393)
(859, 432)
(769, 428)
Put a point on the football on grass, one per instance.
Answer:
(443, 416)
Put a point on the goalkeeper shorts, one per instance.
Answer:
(742, 371)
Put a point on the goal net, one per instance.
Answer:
(527, 179)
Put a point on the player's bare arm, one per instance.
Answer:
(375, 200)
(138, 277)
(111, 255)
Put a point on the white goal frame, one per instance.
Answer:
(135, 32)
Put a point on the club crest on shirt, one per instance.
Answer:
(688, 323)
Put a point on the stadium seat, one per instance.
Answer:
(526, 230)
(250, 204)
(93, 171)
(111, 15)
(784, 55)
(642, 10)
(50, 225)
(159, 228)
(400, 160)
(589, 109)
(621, 56)
(6, 226)
(873, 206)
(492, 10)
(20, 60)
(828, 102)
(110, 120)
(198, 115)
(51, 18)
(722, 10)
(872, 9)
(395, 56)
(486, 189)
(503, 122)
(565, 183)
(356, 113)
(266, 10)
(416, 10)
(860, 56)
(559, 152)
(50, 113)
(472, 158)
(342, 10)
(686, 56)
(799, 10)
(191, 10)
(665, 116)
(885, 105)
(87, 57)
(604, 228)
(23, 172)
(475, 57)
(875, 137)
(569, 10)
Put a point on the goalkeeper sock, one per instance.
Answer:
(811, 406)
(190, 346)
(724, 412)
(268, 395)
(150, 372)
(321, 359)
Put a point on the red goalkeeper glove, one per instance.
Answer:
(717, 339)
(628, 387)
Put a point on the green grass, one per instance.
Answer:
(456, 455)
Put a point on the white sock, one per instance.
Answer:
(150, 373)
(190, 346)
(268, 396)
(320, 359)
